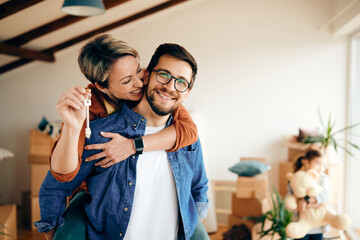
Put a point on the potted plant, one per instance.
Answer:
(2, 226)
(274, 221)
(327, 137)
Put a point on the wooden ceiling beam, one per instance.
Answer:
(26, 53)
(87, 35)
(54, 25)
(116, 24)
(14, 65)
(10, 7)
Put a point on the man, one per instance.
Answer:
(139, 198)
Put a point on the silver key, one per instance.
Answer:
(87, 103)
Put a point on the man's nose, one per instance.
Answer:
(170, 86)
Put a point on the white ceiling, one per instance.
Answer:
(50, 10)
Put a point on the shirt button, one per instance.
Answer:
(125, 209)
(135, 125)
(121, 234)
(142, 119)
(130, 183)
(133, 157)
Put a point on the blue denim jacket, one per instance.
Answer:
(112, 189)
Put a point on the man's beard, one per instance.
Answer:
(159, 110)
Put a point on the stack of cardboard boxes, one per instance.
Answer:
(40, 147)
(8, 222)
(334, 169)
(251, 198)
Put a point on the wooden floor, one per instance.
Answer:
(26, 234)
(218, 234)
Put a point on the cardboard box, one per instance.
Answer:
(222, 199)
(37, 175)
(40, 159)
(8, 218)
(249, 207)
(233, 220)
(298, 149)
(253, 187)
(253, 159)
(284, 168)
(40, 143)
(30, 210)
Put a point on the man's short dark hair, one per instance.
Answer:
(177, 52)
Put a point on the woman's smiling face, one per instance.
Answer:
(126, 79)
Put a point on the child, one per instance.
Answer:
(313, 160)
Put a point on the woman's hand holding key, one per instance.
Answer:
(71, 107)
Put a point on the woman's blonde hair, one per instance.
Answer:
(96, 58)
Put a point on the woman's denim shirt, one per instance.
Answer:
(112, 189)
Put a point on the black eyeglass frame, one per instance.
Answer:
(172, 77)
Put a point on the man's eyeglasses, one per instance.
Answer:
(164, 77)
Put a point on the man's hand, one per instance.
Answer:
(49, 235)
(116, 150)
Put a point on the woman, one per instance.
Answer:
(114, 70)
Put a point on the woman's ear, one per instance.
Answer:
(146, 77)
(305, 163)
(101, 88)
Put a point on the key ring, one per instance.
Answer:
(87, 103)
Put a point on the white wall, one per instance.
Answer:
(264, 67)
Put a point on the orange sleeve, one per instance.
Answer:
(186, 130)
(70, 176)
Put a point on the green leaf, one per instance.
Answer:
(3, 226)
(345, 149)
(335, 145)
(347, 128)
(321, 121)
(354, 146)
(279, 217)
(328, 130)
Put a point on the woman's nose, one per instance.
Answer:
(138, 82)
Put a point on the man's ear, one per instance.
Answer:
(101, 88)
(146, 77)
(187, 92)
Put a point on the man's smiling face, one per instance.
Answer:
(164, 98)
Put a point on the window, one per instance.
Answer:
(353, 163)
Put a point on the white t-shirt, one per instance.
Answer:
(155, 212)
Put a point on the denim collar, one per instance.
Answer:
(135, 119)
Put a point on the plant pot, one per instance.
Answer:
(329, 155)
